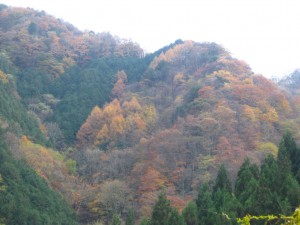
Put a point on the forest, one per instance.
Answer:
(95, 131)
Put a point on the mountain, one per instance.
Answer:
(109, 127)
(194, 108)
(291, 83)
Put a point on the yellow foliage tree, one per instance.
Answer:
(132, 106)
(250, 112)
(25, 140)
(115, 121)
(270, 114)
(268, 148)
(117, 125)
(119, 86)
(89, 130)
(112, 109)
(102, 136)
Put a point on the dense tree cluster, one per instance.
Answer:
(272, 189)
(25, 197)
(13, 115)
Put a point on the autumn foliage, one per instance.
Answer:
(130, 126)
(113, 123)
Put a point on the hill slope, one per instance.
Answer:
(25, 197)
(134, 124)
(194, 108)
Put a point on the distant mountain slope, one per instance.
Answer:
(291, 83)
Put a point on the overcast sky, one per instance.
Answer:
(264, 33)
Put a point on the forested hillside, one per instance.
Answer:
(25, 197)
(194, 108)
(260, 195)
(111, 128)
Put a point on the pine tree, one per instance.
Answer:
(115, 220)
(205, 204)
(161, 210)
(292, 192)
(283, 159)
(266, 196)
(130, 218)
(175, 218)
(292, 151)
(190, 214)
(222, 181)
(246, 186)
(289, 190)
(226, 207)
(224, 201)
(145, 221)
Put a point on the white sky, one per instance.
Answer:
(264, 33)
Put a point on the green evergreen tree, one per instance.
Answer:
(115, 220)
(292, 192)
(224, 200)
(205, 204)
(175, 218)
(161, 210)
(130, 218)
(190, 214)
(246, 187)
(289, 190)
(222, 181)
(267, 194)
(145, 221)
(283, 160)
(226, 206)
(292, 151)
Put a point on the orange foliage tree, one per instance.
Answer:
(115, 123)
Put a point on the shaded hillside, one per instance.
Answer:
(13, 114)
(25, 197)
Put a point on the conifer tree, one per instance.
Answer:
(116, 220)
(130, 218)
(161, 210)
(266, 196)
(222, 181)
(205, 204)
(292, 151)
(224, 201)
(175, 218)
(190, 214)
(283, 159)
(145, 221)
(246, 186)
